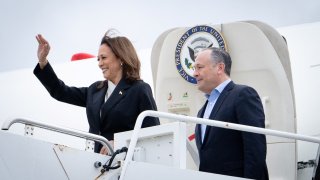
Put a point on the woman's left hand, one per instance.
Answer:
(104, 149)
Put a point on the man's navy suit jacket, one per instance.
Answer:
(232, 152)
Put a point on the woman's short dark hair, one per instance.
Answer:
(124, 50)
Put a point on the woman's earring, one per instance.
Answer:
(121, 64)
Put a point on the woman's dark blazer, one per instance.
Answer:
(120, 111)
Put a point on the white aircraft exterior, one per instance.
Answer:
(24, 96)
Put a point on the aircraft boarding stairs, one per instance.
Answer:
(159, 152)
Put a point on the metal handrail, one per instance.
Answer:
(209, 122)
(316, 162)
(73, 132)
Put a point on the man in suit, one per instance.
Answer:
(225, 151)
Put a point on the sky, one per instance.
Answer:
(75, 26)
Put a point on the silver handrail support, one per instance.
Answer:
(226, 125)
(316, 163)
(73, 132)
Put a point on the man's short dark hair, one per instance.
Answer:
(219, 55)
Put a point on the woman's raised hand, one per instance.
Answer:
(43, 50)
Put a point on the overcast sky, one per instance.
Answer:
(73, 26)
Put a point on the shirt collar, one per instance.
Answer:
(111, 87)
(219, 88)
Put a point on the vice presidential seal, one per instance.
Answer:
(190, 44)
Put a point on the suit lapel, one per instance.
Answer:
(98, 100)
(221, 99)
(198, 126)
(98, 97)
(217, 106)
(118, 93)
